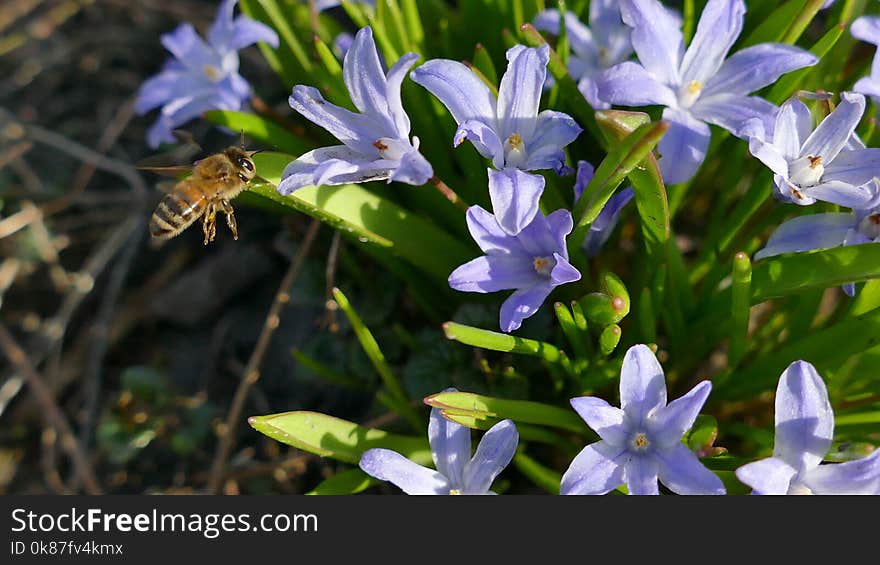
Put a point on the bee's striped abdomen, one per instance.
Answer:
(177, 211)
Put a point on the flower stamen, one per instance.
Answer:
(640, 441)
(212, 72)
(544, 265)
(514, 150)
(454, 491)
(689, 93)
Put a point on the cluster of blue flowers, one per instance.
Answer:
(641, 444)
(525, 250)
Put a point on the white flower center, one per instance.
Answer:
(390, 149)
(544, 265)
(514, 150)
(604, 57)
(212, 72)
(799, 489)
(689, 93)
(640, 441)
(870, 226)
(454, 491)
(806, 171)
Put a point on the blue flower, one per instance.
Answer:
(804, 430)
(606, 221)
(640, 441)
(509, 130)
(533, 262)
(867, 28)
(457, 472)
(375, 142)
(200, 76)
(596, 48)
(827, 163)
(698, 86)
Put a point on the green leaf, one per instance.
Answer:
(333, 437)
(788, 84)
(352, 481)
(826, 349)
(377, 358)
(483, 62)
(619, 163)
(740, 307)
(260, 129)
(774, 27)
(503, 342)
(546, 478)
(573, 334)
(650, 191)
(528, 412)
(368, 218)
(787, 274)
(703, 433)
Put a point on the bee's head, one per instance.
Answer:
(243, 162)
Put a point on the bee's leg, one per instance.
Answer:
(230, 217)
(209, 223)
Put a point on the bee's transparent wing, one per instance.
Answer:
(174, 163)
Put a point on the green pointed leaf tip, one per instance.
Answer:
(603, 310)
(609, 338)
(328, 436)
(481, 407)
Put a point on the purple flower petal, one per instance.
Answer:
(682, 473)
(732, 111)
(683, 147)
(484, 139)
(563, 272)
(605, 222)
(580, 37)
(609, 30)
(554, 131)
(337, 164)
(804, 419)
(794, 124)
(393, 86)
(354, 130)
(166, 86)
(488, 234)
(491, 273)
(364, 77)
(642, 384)
(806, 233)
(630, 84)
(839, 192)
(656, 38)
(413, 169)
(585, 173)
(719, 26)
(450, 446)
(519, 93)
(522, 304)
(460, 90)
(867, 29)
(861, 476)
(410, 477)
(604, 419)
(597, 469)
(854, 167)
(770, 476)
(494, 453)
(832, 135)
(640, 475)
(188, 48)
(755, 67)
(672, 421)
(515, 195)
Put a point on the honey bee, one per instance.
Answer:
(215, 180)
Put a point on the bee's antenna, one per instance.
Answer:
(241, 140)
